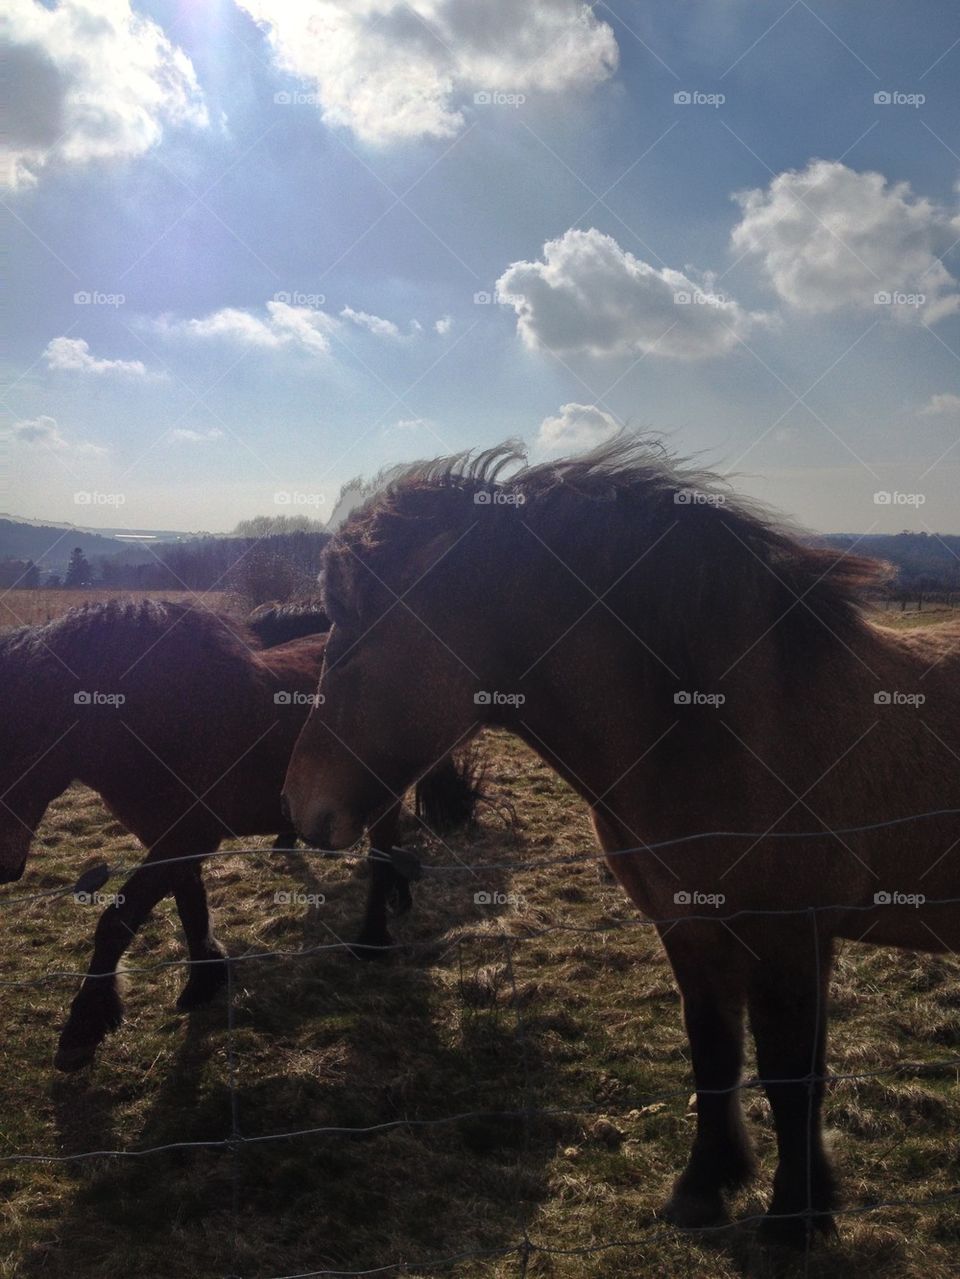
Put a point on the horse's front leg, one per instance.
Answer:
(787, 1002)
(208, 969)
(385, 883)
(97, 1007)
(711, 982)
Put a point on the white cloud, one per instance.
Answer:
(576, 427)
(829, 237)
(44, 433)
(392, 71)
(945, 403)
(444, 325)
(373, 323)
(590, 296)
(184, 435)
(89, 80)
(281, 325)
(73, 354)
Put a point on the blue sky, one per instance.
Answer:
(298, 202)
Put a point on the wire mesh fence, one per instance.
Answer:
(525, 1245)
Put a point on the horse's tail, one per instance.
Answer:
(448, 796)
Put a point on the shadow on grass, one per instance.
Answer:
(317, 1042)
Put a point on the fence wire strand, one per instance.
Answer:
(525, 1248)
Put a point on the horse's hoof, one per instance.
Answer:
(202, 987)
(693, 1210)
(73, 1057)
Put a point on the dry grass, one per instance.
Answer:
(584, 1024)
(33, 608)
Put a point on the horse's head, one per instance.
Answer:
(37, 742)
(29, 779)
(393, 702)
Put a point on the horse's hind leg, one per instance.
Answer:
(787, 1013)
(97, 1007)
(208, 970)
(713, 1002)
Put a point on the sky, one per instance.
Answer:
(259, 248)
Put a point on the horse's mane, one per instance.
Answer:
(599, 513)
(107, 628)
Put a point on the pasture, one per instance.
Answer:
(546, 1001)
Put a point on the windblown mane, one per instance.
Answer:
(601, 513)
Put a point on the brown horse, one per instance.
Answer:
(689, 667)
(184, 727)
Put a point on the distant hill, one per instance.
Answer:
(927, 560)
(49, 545)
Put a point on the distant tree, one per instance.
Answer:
(53, 582)
(31, 576)
(79, 572)
(272, 525)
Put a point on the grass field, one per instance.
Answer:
(33, 608)
(473, 1013)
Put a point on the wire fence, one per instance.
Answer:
(525, 1246)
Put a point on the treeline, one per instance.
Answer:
(260, 568)
(927, 564)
